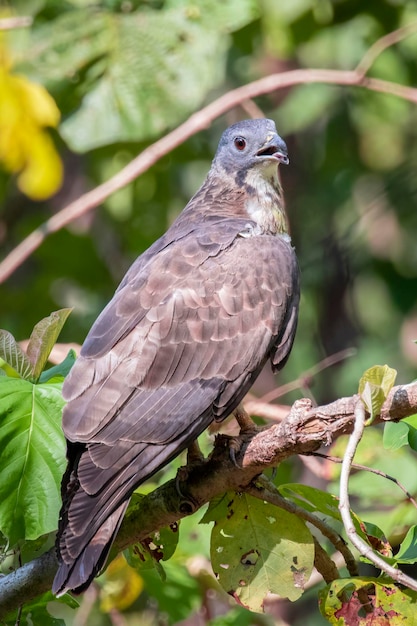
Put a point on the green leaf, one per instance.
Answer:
(178, 596)
(61, 370)
(408, 548)
(374, 387)
(294, 116)
(43, 339)
(13, 355)
(341, 600)
(398, 434)
(46, 610)
(138, 66)
(317, 501)
(32, 458)
(395, 435)
(238, 616)
(258, 549)
(159, 546)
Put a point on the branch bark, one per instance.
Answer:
(303, 431)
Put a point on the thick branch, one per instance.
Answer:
(304, 430)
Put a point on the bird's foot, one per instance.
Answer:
(194, 454)
(246, 423)
(248, 428)
(194, 458)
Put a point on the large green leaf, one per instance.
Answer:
(32, 458)
(258, 549)
(145, 71)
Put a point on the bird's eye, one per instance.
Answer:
(240, 143)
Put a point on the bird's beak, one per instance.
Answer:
(276, 148)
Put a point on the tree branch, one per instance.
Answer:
(11, 23)
(304, 430)
(201, 120)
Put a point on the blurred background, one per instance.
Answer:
(124, 73)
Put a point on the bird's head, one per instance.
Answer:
(251, 146)
(247, 162)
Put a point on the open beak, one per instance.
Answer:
(276, 148)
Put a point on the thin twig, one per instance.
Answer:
(382, 44)
(365, 468)
(305, 377)
(344, 505)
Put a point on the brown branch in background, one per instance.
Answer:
(304, 379)
(9, 23)
(382, 44)
(197, 122)
(303, 431)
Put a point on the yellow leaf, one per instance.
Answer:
(122, 586)
(26, 148)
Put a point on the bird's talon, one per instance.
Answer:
(234, 448)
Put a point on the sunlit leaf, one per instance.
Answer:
(13, 355)
(32, 458)
(258, 549)
(43, 339)
(374, 387)
(140, 65)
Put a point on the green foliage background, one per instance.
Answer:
(124, 73)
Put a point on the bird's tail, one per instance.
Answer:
(78, 568)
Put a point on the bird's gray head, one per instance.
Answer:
(248, 145)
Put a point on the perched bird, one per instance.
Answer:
(186, 334)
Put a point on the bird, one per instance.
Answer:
(181, 342)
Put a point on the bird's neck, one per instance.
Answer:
(255, 195)
(264, 201)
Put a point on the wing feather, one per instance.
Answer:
(178, 346)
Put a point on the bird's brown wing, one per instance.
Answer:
(178, 346)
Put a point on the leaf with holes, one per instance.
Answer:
(258, 549)
(341, 602)
(32, 457)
